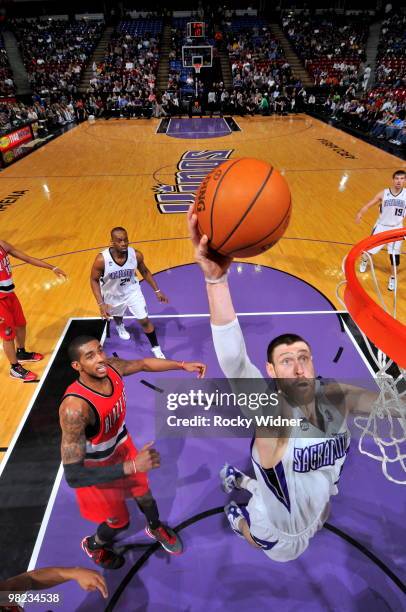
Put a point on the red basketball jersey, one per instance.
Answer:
(6, 279)
(111, 410)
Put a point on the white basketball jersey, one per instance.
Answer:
(393, 209)
(297, 490)
(118, 282)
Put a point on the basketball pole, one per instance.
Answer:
(197, 71)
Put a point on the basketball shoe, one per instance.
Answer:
(167, 538)
(157, 351)
(18, 372)
(102, 556)
(230, 478)
(23, 355)
(234, 514)
(122, 332)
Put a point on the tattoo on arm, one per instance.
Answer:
(74, 418)
(118, 364)
(126, 367)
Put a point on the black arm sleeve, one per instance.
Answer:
(77, 475)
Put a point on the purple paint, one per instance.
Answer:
(197, 128)
(218, 570)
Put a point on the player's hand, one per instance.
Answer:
(147, 459)
(212, 264)
(161, 297)
(358, 218)
(90, 580)
(105, 311)
(60, 273)
(194, 366)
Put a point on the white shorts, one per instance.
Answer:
(394, 248)
(134, 301)
(279, 548)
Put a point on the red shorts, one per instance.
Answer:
(106, 502)
(12, 313)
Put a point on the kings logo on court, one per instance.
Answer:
(192, 167)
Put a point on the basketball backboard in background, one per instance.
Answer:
(197, 54)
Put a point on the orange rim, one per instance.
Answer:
(386, 333)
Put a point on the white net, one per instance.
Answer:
(383, 431)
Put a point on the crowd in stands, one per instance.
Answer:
(124, 83)
(129, 67)
(49, 115)
(7, 88)
(55, 52)
(379, 114)
(331, 46)
(257, 59)
(391, 58)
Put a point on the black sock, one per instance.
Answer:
(14, 365)
(105, 535)
(149, 508)
(152, 338)
(21, 350)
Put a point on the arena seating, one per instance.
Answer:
(131, 60)
(330, 46)
(55, 52)
(391, 59)
(6, 77)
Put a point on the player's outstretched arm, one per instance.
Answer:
(9, 248)
(360, 401)
(147, 275)
(215, 268)
(375, 201)
(48, 577)
(227, 335)
(74, 416)
(127, 367)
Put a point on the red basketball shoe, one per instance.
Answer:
(28, 356)
(167, 538)
(104, 557)
(17, 371)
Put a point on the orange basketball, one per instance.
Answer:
(243, 206)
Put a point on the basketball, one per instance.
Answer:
(243, 206)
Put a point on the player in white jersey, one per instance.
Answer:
(296, 470)
(392, 206)
(116, 287)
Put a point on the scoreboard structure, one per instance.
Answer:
(196, 29)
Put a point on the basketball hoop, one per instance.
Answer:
(197, 68)
(384, 330)
(386, 423)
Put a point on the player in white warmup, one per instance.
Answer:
(392, 206)
(297, 470)
(116, 287)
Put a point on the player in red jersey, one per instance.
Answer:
(12, 320)
(98, 454)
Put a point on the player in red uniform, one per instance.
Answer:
(98, 455)
(12, 320)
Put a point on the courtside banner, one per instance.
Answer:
(13, 139)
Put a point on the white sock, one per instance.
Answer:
(247, 483)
